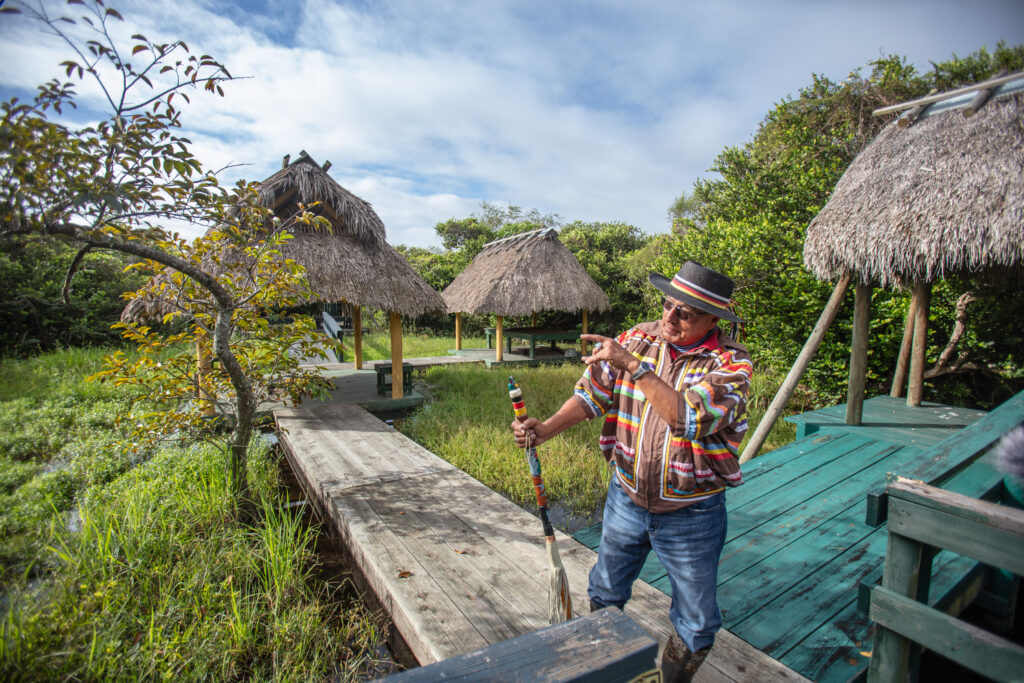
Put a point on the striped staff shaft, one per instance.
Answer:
(519, 408)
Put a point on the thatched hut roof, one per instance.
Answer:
(353, 262)
(940, 196)
(518, 275)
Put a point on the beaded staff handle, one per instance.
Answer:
(519, 408)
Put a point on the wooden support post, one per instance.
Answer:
(858, 354)
(923, 294)
(499, 343)
(204, 368)
(458, 331)
(890, 656)
(789, 384)
(397, 380)
(583, 328)
(899, 377)
(533, 319)
(357, 336)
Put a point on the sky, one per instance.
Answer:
(595, 110)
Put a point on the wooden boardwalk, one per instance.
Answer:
(798, 546)
(456, 565)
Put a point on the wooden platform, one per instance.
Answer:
(457, 566)
(798, 546)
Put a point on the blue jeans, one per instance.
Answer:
(687, 541)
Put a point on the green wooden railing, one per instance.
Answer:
(922, 518)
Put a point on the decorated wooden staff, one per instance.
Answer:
(559, 600)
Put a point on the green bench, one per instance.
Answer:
(384, 377)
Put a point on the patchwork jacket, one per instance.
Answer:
(665, 467)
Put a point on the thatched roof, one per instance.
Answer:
(940, 196)
(353, 262)
(519, 275)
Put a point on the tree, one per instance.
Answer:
(111, 186)
(607, 251)
(753, 217)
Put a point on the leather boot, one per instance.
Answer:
(678, 664)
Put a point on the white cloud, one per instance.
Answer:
(592, 110)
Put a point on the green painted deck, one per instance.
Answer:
(798, 545)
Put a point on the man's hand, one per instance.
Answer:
(529, 432)
(609, 350)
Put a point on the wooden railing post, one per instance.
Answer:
(921, 519)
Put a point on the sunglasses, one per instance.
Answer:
(683, 313)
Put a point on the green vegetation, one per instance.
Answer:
(125, 569)
(34, 318)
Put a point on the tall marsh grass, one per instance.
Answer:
(142, 569)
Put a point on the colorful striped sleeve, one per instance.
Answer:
(718, 400)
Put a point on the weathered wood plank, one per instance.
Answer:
(772, 460)
(605, 646)
(766, 578)
(418, 604)
(975, 648)
(779, 468)
(822, 495)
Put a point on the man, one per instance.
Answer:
(673, 393)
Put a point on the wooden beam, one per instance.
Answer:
(923, 293)
(858, 354)
(899, 377)
(397, 380)
(458, 331)
(789, 384)
(357, 336)
(583, 328)
(499, 342)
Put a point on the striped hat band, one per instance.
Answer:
(708, 297)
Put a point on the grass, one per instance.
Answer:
(377, 345)
(467, 420)
(117, 569)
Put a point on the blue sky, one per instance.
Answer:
(594, 110)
